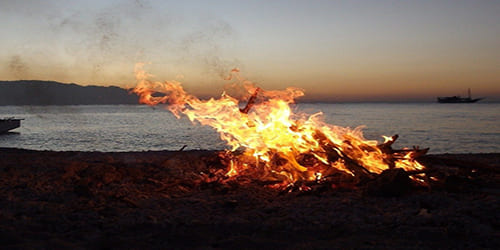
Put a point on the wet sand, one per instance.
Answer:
(165, 200)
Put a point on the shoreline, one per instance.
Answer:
(196, 150)
(164, 199)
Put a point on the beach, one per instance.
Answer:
(257, 125)
(167, 199)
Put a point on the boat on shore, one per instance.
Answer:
(7, 124)
(458, 99)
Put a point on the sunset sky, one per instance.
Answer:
(334, 50)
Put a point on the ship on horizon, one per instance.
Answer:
(458, 99)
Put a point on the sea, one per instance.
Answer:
(444, 128)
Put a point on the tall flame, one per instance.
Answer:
(270, 139)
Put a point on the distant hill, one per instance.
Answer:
(33, 92)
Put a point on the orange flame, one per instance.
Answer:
(276, 144)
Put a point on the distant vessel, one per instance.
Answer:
(7, 124)
(457, 99)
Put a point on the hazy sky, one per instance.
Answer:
(336, 50)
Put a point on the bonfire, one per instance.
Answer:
(269, 142)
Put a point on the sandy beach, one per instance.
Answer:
(165, 199)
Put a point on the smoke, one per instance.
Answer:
(99, 43)
(207, 43)
(103, 35)
(28, 8)
(18, 67)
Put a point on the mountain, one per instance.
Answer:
(33, 92)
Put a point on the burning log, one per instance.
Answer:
(386, 146)
(250, 102)
(318, 167)
(183, 147)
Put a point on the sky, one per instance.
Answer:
(334, 50)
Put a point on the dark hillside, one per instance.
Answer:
(34, 92)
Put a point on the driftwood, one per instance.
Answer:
(333, 153)
(260, 172)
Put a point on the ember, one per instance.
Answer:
(271, 143)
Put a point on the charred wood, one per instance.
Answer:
(251, 102)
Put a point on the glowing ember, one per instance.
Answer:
(270, 142)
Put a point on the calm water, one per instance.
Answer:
(445, 128)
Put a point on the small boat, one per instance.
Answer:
(7, 124)
(458, 99)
